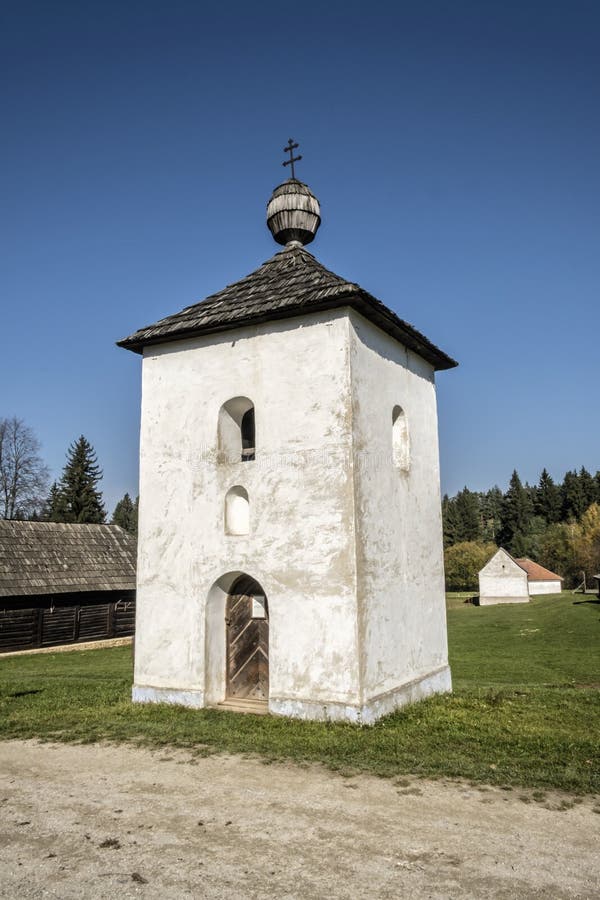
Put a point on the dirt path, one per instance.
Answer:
(101, 822)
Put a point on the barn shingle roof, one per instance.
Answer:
(55, 558)
(289, 284)
(535, 572)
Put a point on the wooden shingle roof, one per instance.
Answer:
(535, 572)
(52, 558)
(289, 284)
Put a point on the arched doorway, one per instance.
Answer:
(247, 628)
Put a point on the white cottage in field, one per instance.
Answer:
(290, 538)
(502, 580)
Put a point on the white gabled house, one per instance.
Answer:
(505, 579)
(502, 580)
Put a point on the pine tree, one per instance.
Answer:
(55, 509)
(450, 521)
(573, 497)
(516, 513)
(77, 498)
(491, 513)
(467, 508)
(597, 487)
(587, 487)
(126, 514)
(531, 491)
(548, 499)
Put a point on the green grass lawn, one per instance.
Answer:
(525, 709)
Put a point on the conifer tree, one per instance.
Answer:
(587, 487)
(450, 521)
(126, 513)
(77, 498)
(516, 513)
(469, 519)
(573, 497)
(548, 500)
(55, 508)
(491, 513)
(531, 491)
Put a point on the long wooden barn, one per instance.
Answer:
(62, 584)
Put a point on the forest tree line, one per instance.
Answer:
(75, 497)
(556, 524)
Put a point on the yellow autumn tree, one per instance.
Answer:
(463, 561)
(587, 545)
(572, 548)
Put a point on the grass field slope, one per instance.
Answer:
(525, 708)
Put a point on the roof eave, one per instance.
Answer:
(58, 589)
(360, 300)
(376, 312)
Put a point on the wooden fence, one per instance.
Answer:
(49, 625)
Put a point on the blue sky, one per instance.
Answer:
(454, 148)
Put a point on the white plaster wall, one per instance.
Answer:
(544, 587)
(502, 578)
(301, 542)
(402, 615)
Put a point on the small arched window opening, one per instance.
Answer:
(400, 440)
(237, 511)
(236, 430)
(247, 429)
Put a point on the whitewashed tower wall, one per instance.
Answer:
(400, 566)
(301, 541)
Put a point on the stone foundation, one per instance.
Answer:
(438, 682)
(173, 696)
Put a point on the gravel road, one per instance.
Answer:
(115, 821)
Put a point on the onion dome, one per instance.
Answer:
(293, 213)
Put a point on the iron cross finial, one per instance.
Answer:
(291, 146)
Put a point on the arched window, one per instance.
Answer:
(237, 511)
(400, 440)
(236, 430)
(247, 429)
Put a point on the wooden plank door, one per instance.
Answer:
(247, 647)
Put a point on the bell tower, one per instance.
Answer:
(290, 539)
